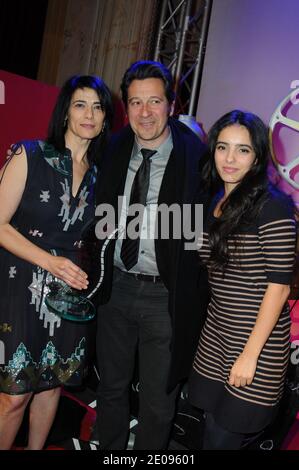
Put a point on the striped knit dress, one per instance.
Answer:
(266, 255)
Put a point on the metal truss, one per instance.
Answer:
(181, 40)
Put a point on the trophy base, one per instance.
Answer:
(71, 307)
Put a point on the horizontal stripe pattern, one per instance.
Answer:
(266, 255)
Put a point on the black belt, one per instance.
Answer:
(143, 277)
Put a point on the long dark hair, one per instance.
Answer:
(57, 128)
(246, 200)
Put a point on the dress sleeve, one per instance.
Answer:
(277, 237)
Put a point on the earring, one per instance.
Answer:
(103, 127)
(65, 121)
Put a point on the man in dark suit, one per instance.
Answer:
(155, 292)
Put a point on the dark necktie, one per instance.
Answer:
(130, 248)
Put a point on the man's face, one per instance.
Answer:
(148, 111)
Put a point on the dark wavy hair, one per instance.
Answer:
(246, 200)
(57, 128)
(143, 69)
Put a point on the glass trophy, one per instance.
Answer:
(74, 305)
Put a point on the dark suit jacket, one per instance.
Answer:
(179, 269)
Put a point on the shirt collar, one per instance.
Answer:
(164, 148)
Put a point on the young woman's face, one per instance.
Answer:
(234, 155)
(85, 115)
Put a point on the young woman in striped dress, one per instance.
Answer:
(248, 245)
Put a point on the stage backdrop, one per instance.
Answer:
(251, 64)
(251, 57)
(25, 109)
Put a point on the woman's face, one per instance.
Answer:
(85, 115)
(234, 155)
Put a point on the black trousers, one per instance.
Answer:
(218, 438)
(135, 319)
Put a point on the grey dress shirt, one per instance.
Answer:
(147, 263)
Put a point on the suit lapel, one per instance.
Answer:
(118, 154)
(185, 162)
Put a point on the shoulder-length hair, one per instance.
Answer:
(246, 199)
(57, 128)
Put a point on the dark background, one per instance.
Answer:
(22, 25)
